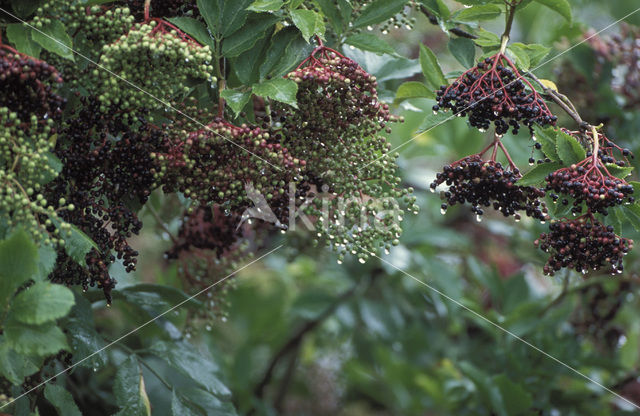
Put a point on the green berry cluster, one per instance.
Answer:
(337, 131)
(99, 25)
(158, 59)
(50, 11)
(25, 165)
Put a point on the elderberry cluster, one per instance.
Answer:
(156, 57)
(336, 130)
(591, 185)
(207, 228)
(494, 91)
(100, 25)
(210, 245)
(583, 244)
(25, 166)
(221, 163)
(488, 184)
(107, 175)
(28, 86)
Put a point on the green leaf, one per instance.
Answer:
(83, 338)
(266, 5)
(41, 302)
(62, 400)
(234, 16)
(25, 8)
(463, 50)
(236, 99)
(535, 52)
(561, 7)
(431, 68)
(370, 42)
(619, 171)
(515, 398)
(155, 298)
(41, 340)
(20, 36)
(434, 120)
(18, 264)
(129, 389)
(520, 56)
(15, 367)
(537, 175)
(547, 138)
(247, 65)
(55, 164)
(193, 364)
(636, 187)
(486, 38)
(616, 219)
(77, 244)
(179, 406)
(632, 212)
(378, 11)
(194, 28)
(568, 148)
(279, 89)
(309, 22)
(243, 40)
(330, 9)
(475, 13)
(54, 38)
(413, 89)
(439, 8)
(209, 403)
(211, 11)
(286, 49)
(47, 256)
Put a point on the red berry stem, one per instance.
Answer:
(147, 4)
(506, 153)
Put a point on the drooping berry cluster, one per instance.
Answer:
(218, 164)
(99, 25)
(583, 244)
(207, 228)
(622, 50)
(486, 183)
(592, 185)
(107, 175)
(494, 91)
(336, 130)
(28, 85)
(25, 166)
(589, 182)
(158, 59)
(211, 245)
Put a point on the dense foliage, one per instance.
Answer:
(222, 207)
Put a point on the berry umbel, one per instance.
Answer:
(494, 92)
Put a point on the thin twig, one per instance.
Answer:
(161, 223)
(297, 338)
(560, 99)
